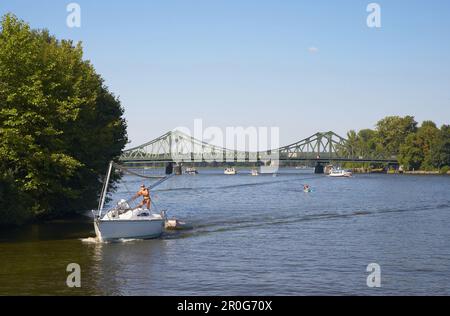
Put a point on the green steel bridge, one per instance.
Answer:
(178, 147)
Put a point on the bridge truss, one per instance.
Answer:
(179, 147)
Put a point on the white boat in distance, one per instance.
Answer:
(339, 173)
(191, 171)
(255, 173)
(230, 171)
(124, 222)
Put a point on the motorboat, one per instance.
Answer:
(125, 222)
(230, 171)
(255, 173)
(191, 171)
(340, 173)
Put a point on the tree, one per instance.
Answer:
(428, 135)
(392, 132)
(440, 153)
(411, 155)
(59, 124)
(416, 152)
(367, 142)
(351, 148)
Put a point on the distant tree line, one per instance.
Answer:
(424, 147)
(59, 126)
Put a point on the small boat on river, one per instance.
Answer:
(340, 173)
(230, 171)
(125, 222)
(191, 171)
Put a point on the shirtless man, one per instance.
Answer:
(145, 193)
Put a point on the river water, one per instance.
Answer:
(252, 236)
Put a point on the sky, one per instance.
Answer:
(302, 66)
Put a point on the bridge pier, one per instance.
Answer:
(319, 169)
(172, 167)
(169, 168)
(178, 169)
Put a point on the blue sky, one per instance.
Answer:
(249, 62)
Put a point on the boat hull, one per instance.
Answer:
(340, 175)
(230, 172)
(128, 229)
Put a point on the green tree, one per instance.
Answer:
(392, 132)
(351, 148)
(428, 135)
(416, 152)
(440, 153)
(367, 140)
(59, 124)
(411, 155)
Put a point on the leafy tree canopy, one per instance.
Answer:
(59, 125)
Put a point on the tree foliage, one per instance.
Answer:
(392, 132)
(59, 125)
(426, 147)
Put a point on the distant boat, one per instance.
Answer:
(230, 171)
(339, 173)
(255, 173)
(191, 171)
(327, 169)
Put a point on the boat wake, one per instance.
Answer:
(95, 240)
(91, 240)
(236, 185)
(124, 240)
(205, 228)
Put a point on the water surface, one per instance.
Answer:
(253, 236)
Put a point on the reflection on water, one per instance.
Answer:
(252, 236)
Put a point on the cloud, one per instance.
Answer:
(313, 50)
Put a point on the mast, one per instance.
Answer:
(105, 190)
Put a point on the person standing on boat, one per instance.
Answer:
(145, 193)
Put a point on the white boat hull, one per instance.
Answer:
(230, 172)
(345, 174)
(128, 229)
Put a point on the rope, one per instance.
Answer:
(134, 198)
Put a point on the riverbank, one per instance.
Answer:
(421, 172)
(415, 172)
